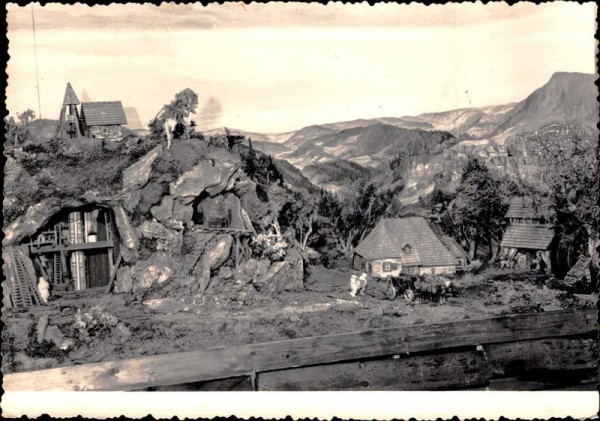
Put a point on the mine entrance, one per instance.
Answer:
(77, 249)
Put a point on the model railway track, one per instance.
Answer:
(452, 355)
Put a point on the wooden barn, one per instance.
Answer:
(528, 234)
(103, 120)
(403, 246)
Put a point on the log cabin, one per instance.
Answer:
(403, 246)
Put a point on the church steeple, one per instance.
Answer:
(70, 97)
(68, 124)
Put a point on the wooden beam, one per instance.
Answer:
(73, 247)
(113, 273)
(456, 370)
(225, 362)
(553, 361)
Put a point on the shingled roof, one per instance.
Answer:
(521, 207)
(391, 235)
(454, 247)
(106, 113)
(70, 97)
(528, 236)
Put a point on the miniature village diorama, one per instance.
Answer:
(120, 244)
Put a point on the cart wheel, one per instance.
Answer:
(409, 295)
(391, 291)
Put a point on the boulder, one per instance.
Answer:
(152, 194)
(182, 214)
(282, 276)
(123, 282)
(166, 239)
(226, 273)
(129, 238)
(151, 272)
(215, 254)
(164, 210)
(28, 224)
(211, 175)
(138, 174)
(132, 200)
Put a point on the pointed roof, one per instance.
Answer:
(70, 97)
(391, 235)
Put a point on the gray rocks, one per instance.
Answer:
(166, 239)
(164, 210)
(138, 174)
(123, 282)
(33, 219)
(210, 175)
(215, 254)
(129, 238)
(148, 273)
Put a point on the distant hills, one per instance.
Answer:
(331, 154)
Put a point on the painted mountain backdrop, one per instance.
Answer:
(428, 150)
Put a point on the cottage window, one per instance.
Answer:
(433, 271)
(390, 267)
(104, 130)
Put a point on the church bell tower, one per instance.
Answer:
(68, 125)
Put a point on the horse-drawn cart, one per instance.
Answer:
(432, 289)
(401, 285)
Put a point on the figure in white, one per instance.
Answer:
(44, 288)
(358, 284)
(178, 111)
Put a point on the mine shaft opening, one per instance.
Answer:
(77, 249)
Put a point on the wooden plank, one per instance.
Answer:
(545, 359)
(455, 370)
(577, 381)
(224, 362)
(553, 354)
(74, 247)
(113, 273)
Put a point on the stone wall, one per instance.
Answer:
(105, 132)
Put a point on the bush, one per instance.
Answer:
(94, 323)
(269, 245)
(474, 267)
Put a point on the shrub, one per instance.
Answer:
(269, 245)
(96, 322)
(474, 266)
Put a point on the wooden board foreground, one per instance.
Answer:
(226, 362)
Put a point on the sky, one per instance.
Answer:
(277, 67)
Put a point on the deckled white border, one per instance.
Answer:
(323, 405)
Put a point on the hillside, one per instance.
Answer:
(335, 175)
(483, 132)
(567, 97)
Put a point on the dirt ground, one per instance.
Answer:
(166, 325)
